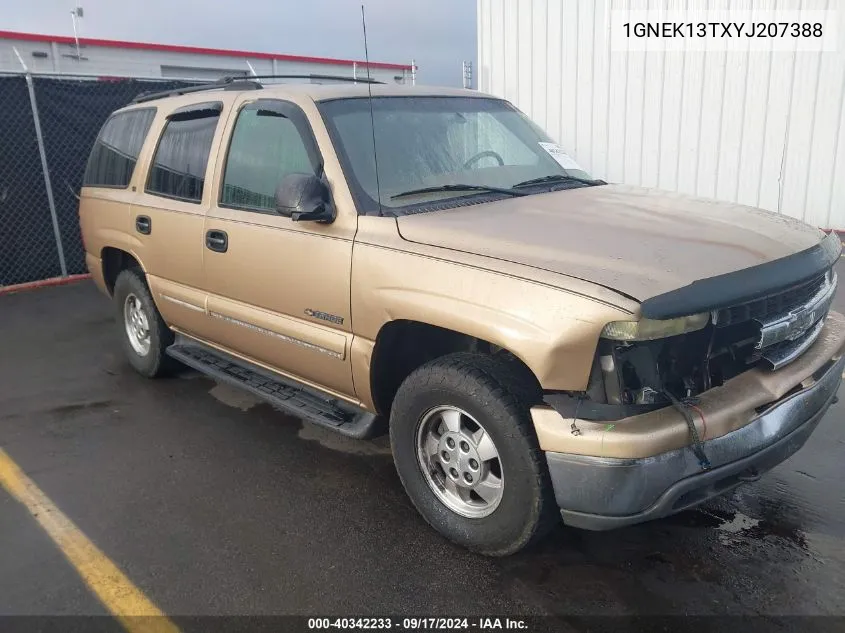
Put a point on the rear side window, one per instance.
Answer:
(117, 147)
(178, 167)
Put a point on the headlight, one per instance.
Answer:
(650, 329)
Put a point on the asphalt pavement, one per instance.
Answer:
(215, 504)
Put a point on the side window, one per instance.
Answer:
(178, 167)
(266, 146)
(116, 149)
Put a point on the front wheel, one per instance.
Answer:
(464, 446)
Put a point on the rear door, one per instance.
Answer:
(279, 290)
(104, 204)
(168, 216)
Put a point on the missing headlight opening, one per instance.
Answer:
(684, 365)
(635, 372)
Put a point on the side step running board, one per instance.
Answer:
(291, 397)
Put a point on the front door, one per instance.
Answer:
(278, 290)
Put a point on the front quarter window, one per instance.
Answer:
(432, 142)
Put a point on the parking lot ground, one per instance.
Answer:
(214, 504)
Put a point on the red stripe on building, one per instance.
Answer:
(173, 48)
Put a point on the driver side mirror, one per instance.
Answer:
(304, 197)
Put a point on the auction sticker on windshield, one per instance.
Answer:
(563, 159)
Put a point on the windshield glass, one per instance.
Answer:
(427, 142)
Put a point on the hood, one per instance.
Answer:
(639, 242)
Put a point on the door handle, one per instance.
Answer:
(143, 224)
(217, 241)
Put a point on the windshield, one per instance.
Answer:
(426, 142)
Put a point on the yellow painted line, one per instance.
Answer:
(123, 599)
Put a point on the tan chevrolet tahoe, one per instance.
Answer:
(538, 344)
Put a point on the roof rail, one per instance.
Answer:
(360, 80)
(226, 83)
(242, 83)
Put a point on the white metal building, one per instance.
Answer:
(764, 128)
(112, 58)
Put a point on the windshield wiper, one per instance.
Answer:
(559, 178)
(412, 192)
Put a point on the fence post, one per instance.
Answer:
(40, 138)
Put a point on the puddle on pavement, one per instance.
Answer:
(234, 397)
(739, 523)
(733, 525)
(244, 400)
(336, 442)
(740, 526)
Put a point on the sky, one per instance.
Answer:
(438, 34)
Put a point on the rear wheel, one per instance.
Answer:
(464, 446)
(144, 334)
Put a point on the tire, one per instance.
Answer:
(150, 360)
(482, 389)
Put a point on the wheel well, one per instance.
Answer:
(402, 346)
(114, 262)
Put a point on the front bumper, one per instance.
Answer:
(606, 491)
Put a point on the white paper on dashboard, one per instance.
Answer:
(563, 159)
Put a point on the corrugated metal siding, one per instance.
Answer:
(760, 128)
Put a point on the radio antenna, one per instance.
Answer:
(372, 117)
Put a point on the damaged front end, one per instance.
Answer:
(644, 365)
(715, 384)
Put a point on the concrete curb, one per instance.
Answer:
(43, 283)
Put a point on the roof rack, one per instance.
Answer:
(216, 85)
(241, 83)
(358, 80)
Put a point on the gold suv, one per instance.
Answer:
(428, 262)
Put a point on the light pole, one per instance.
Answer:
(76, 13)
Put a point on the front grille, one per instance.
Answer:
(770, 306)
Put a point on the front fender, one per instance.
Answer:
(553, 331)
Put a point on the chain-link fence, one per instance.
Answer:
(47, 127)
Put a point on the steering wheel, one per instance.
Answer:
(484, 154)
